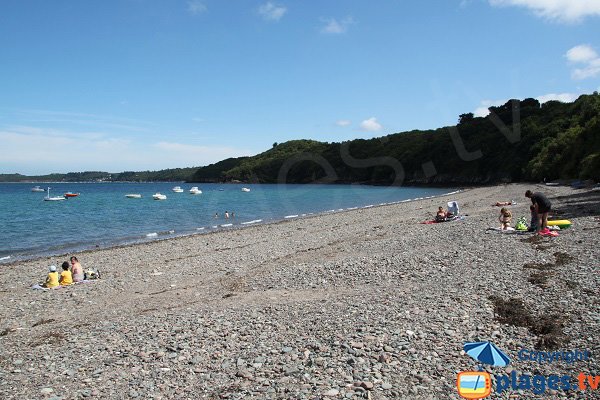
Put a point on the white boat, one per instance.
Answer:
(195, 190)
(177, 189)
(159, 196)
(245, 189)
(133, 196)
(37, 189)
(48, 198)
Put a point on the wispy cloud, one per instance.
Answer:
(343, 122)
(371, 125)
(33, 150)
(587, 61)
(483, 111)
(196, 7)
(570, 11)
(62, 118)
(271, 11)
(333, 26)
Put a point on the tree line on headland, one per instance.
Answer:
(521, 140)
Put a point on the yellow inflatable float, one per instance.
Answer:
(561, 223)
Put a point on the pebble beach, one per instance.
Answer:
(361, 304)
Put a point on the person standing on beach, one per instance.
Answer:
(542, 206)
(226, 215)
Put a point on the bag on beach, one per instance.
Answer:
(521, 224)
(91, 274)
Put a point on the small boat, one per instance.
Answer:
(37, 189)
(177, 189)
(159, 196)
(70, 194)
(195, 190)
(245, 189)
(48, 198)
(133, 196)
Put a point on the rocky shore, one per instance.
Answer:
(360, 304)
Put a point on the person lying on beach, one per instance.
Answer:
(76, 270)
(52, 278)
(441, 215)
(502, 203)
(65, 276)
(505, 218)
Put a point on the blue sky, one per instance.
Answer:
(150, 84)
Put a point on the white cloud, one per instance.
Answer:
(581, 54)
(557, 10)
(483, 111)
(370, 125)
(196, 7)
(562, 97)
(588, 60)
(343, 122)
(271, 11)
(334, 26)
(31, 150)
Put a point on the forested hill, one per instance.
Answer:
(518, 141)
(165, 175)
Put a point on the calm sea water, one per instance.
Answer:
(102, 216)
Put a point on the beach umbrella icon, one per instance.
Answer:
(487, 353)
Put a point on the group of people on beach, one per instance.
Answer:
(71, 273)
(539, 209)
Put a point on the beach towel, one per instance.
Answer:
(37, 286)
(509, 230)
(433, 221)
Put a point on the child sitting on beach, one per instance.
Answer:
(505, 218)
(52, 279)
(535, 219)
(65, 276)
(441, 215)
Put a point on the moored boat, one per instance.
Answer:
(37, 189)
(195, 190)
(177, 189)
(70, 194)
(133, 196)
(245, 189)
(158, 196)
(58, 198)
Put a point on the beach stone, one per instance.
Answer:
(244, 373)
(386, 386)
(331, 393)
(46, 391)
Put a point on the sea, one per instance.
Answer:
(101, 216)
